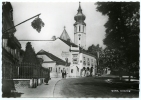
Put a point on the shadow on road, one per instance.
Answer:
(12, 95)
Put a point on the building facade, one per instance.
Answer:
(10, 49)
(53, 63)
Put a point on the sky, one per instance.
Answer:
(56, 15)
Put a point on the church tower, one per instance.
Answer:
(80, 29)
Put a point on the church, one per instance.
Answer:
(61, 52)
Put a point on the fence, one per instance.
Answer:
(23, 71)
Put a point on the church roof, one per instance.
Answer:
(69, 43)
(65, 36)
(79, 17)
(53, 57)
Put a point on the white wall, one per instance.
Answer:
(90, 60)
(44, 57)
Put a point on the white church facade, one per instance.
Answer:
(73, 56)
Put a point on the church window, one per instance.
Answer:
(79, 36)
(79, 28)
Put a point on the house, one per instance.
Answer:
(10, 49)
(53, 63)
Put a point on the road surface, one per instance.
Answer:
(93, 87)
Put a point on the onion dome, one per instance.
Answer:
(79, 17)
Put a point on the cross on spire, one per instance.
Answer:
(79, 9)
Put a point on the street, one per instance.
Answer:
(93, 87)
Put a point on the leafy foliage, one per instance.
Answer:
(94, 49)
(29, 55)
(37, 24)
(122, 29)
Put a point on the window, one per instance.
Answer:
(88, 62)
(79, 36)
(50, 68)
(59, 69)
(77, 68)
(92, 63)
(71, 70)
(75, 59)
(84, 61)
(79, 28)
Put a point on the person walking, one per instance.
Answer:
(64, 73)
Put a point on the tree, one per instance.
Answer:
(94, 50)
(29, 55)
(122, 30)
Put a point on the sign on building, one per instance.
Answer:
(65, 54)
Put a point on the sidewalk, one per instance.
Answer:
(42, 91)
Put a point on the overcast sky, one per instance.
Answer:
(56, 15)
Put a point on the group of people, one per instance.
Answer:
(86, 72)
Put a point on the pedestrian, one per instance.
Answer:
(64, 73)
(87, 72)
(46, 80)
(91, 71)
